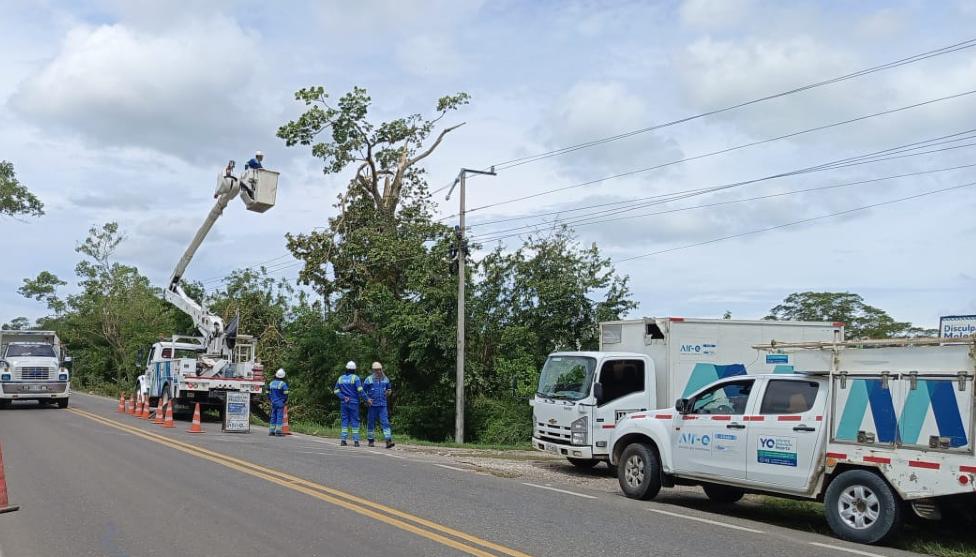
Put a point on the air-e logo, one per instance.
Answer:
(688, 348)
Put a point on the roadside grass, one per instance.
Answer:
(320, 430)
(942, 539)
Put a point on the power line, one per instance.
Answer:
(585, 222)
(718, 152)
(504, 165)
(892, 153)
(797, 222)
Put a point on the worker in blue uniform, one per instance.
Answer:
(377, 388)
(278, 394)
(255, 163)
(349, 389)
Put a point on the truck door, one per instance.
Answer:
(711, 439)
(624, 392)
(786, 436)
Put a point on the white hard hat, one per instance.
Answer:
(350, 365)
(280, 374)
(259, 154)
(377, 365)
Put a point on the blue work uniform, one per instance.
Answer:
(278, 394)
(349, 387)
(376, 389)
(253, 163)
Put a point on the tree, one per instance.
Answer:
(15, 198)
(44, 288)
(17, 324)
(384, 215)
(861, 320)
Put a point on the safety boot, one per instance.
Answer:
(390, 444)
(355, 443)
(371, 443)
(343, 443)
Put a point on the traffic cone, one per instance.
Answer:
(158, 416)
(168, 421)
(195, 424)
(121, 408)
(284, 423)
(5, 506)
(145, 409)
(132, 407)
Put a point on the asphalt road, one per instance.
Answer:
(91, 482)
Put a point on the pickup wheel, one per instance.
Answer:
(861, 507)
(583, 463)
(4, 403)
(639, 471)
(723, 494)
(62, 403)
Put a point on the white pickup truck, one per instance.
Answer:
(871, 428)
(33, 366)
(647, 363)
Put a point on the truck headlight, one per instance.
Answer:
(580, 430)
(5, 377)
(63, 376)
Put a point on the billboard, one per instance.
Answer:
(957, 326)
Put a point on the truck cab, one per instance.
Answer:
(580, 397)
(33, 366)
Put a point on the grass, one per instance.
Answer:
(943, 539)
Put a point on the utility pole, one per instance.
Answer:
(462, 274)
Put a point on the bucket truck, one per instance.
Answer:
(191, 369)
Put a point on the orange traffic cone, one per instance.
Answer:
(132, 407)
(285, 428)
(195, 425)
(168, 421)
(5, 506)
(158, 416)
(145, 409)
(121, 408)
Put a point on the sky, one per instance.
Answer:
(126, 111)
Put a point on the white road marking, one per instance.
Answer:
(559, 490)
(839, 548)
(707, 521)
(391, 455)
(451, 467)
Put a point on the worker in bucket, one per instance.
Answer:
(255, 162)
(377, 388)
(349, 389)
(278, 394)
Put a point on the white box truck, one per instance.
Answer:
(33, 366)
(871, 428)
(649, 363)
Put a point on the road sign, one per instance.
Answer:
(957, 326)
(237, 413)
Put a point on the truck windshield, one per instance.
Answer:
(567, 377)
(35, 350)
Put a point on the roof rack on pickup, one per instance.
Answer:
(868, 343)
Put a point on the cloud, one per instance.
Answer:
(595, 109)
(179, 91)
(715, 14)
(427, 56)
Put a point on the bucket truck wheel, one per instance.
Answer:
(583, 463)
(723, 494)
(4, 403)
(62, 403)
(639, 471)
(861, 507)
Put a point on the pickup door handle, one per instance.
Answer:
(735, 426)
(803, 428)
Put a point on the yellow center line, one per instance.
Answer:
(339, 498)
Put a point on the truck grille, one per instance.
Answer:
(553, 433)
(34, 373)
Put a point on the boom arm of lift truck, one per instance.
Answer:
(211, 326)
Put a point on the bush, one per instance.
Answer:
(505, 421)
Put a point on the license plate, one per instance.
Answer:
(554, 449)
(35, 388)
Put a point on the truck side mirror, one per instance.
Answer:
(682, 406)
(598, 392)
(66, 362)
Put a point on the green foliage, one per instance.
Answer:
(861, 320)
(500, 421)
(16, 324)
(115, 314)
(15, 198)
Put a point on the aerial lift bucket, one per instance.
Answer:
(259, 187)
